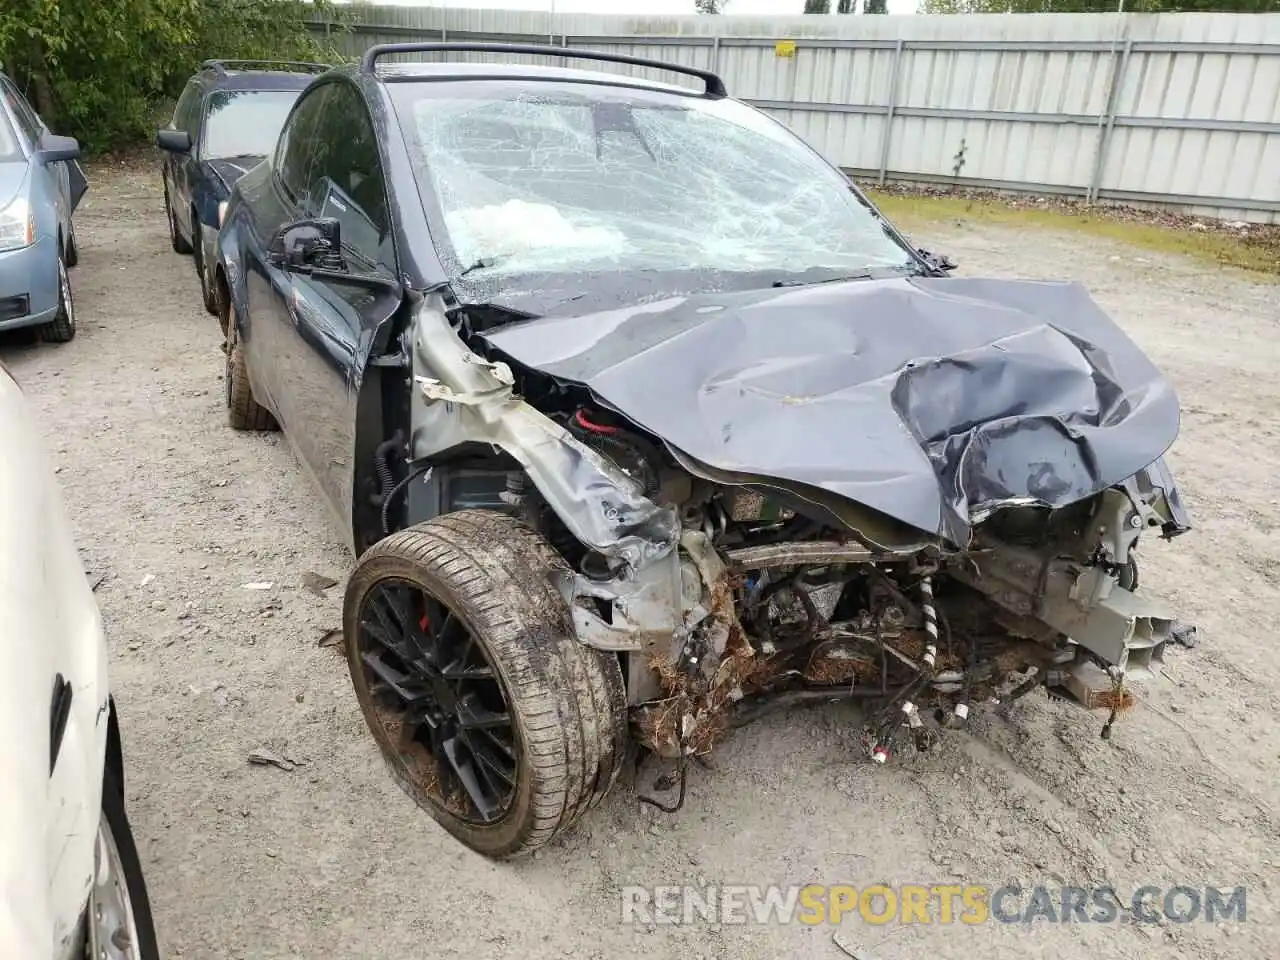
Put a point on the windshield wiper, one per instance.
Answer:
(865, 275)
(484, 263)
(870, 273)
(485, 316)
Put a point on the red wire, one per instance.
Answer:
(582, 421)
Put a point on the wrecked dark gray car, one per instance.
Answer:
(641, 419)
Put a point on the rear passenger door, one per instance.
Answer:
(328, 318)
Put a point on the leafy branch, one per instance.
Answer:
(99, 69)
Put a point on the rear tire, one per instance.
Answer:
(565, 702)
(62, 328)
(243, 412)
(175, 238)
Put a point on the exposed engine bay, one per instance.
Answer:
(776, 605)
(725, 592)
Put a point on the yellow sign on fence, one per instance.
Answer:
(785, 48)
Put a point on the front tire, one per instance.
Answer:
(488, 711)
(71, 250)
(222, 297)
(243, 412)
(207, 294)
(119, 922)
(62, 328)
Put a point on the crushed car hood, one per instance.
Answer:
(933, 401)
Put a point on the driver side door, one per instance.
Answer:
(268, 286)
(326, 308)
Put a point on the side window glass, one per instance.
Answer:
(22, 112)
(186, 109)
(351, 187)
(301, 150)
(195, 115)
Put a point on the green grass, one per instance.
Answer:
(1258, 250)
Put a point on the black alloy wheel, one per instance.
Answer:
(425, 665)
(488, 710)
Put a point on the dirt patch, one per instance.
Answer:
(1249, 246)
(179, 513)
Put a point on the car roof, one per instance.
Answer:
(402, 72)
(219, 75)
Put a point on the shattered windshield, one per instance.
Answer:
(245, 123)
(546, 178)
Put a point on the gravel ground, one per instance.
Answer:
(177, 513)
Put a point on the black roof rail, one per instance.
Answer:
(715, 86)
(222, 66)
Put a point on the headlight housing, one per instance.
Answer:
(17, 225)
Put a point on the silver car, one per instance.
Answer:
(71, 884)
(40, 184)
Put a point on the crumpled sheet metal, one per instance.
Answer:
(933, 401)
(471, 400)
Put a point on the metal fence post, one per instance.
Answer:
(1111, 41)
(888, 117)
(1107, 124)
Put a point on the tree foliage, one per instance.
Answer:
(710, 6)
(1098, 6)
(848, 6)
(97, 69)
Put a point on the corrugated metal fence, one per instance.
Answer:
(1174, 109)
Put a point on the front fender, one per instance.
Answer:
(42, 196)
(229, 261)
(207, 191)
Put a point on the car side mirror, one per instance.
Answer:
(53, 148)
(174, 141)
(939, 262)
(305, 244)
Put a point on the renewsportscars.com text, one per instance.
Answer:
(930, 904)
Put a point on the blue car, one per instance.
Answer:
(225, 122)
(40, 184)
